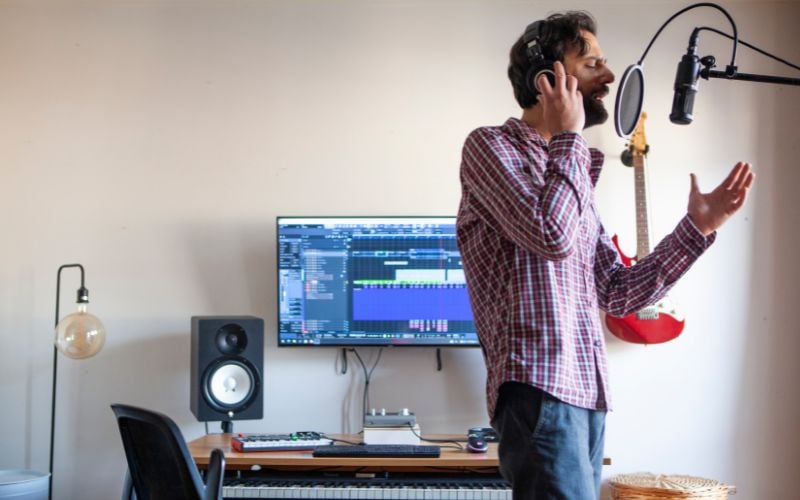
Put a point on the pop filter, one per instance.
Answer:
(628, 105)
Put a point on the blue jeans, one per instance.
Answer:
(548, 449)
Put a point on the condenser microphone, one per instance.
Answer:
(685, 87)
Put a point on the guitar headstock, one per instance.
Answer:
(638, 140)
(637, 147)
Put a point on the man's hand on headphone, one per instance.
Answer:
(562, 104)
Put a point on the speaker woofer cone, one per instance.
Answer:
(230, 384)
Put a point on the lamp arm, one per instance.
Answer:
(55, 367)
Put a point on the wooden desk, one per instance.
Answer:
(456, 474)
(450, 459)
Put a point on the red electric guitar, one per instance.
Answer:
(661, 322)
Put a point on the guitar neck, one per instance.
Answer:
(642, 219)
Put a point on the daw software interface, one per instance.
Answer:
(350, 281)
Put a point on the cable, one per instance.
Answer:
(344, 361)
(339, 440)
(374, 365)
(367, 377)
(366, 384)
(753, 47)
(703, 4)
(458, 446)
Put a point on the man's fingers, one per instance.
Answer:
(694, 187)
(751, 176)
(745, 176)
(749, 182)
(572, 84)
(543, 84)
(561, 75)
(730, 181)
(563, 81)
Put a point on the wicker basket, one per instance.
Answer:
(646, 486)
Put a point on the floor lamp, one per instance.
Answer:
(78, 336)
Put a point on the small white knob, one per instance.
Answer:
(404, 412)
(383, 412)
(372, 412)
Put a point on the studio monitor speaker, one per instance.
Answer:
(227, 366)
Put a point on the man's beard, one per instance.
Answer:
(595, 111)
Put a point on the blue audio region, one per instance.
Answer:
(427, 303)
(371, 281)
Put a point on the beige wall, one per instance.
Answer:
(156, 141)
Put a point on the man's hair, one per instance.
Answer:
(559, 34)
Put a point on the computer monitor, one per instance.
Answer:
(380, 281)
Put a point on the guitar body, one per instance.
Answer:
(653, 325)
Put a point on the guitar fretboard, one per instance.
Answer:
(642, 219)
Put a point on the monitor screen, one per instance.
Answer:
(353, 281)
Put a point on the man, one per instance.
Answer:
(540, 266)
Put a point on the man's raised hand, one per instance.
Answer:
(709, 211)
(562, 103)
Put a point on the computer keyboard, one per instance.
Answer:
(306, 440)
(378, 450)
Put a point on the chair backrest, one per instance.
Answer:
(159, 462)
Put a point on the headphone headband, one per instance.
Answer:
(532, 41)
(538, 62)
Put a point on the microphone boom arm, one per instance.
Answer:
(731, 72)
(750, 77)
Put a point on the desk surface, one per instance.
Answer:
(450, 458)
(200, 449)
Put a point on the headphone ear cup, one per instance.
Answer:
(532, 78)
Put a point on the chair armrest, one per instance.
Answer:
(214, 475)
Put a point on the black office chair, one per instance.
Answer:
(159, 462)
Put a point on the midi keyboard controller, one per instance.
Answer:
(307, 440)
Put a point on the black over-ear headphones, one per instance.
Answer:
(539, 63)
